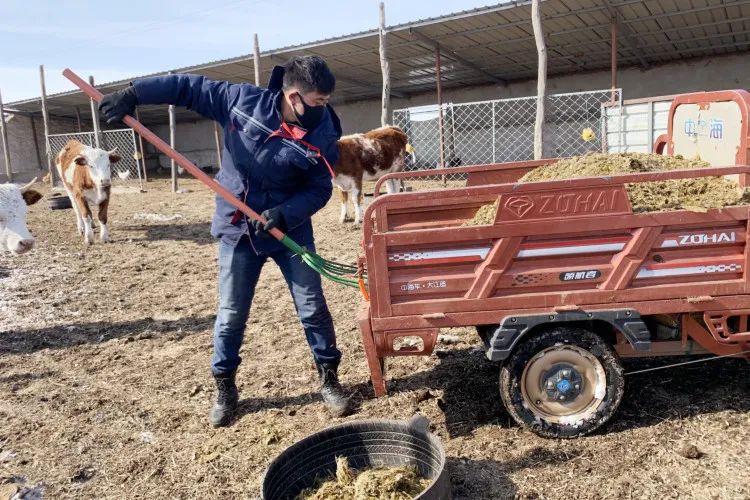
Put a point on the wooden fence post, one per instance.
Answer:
(541, 82)
(4, 135)
(95, 118)
(386, 114)
(45, 118)
(256, 59)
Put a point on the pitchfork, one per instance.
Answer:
(344, 274)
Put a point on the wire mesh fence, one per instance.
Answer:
(127, 171)
(502, 130)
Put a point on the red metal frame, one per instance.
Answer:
(496, 173)
(704, 100)
(638, 259)
(555, 246)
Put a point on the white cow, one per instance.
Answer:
(14, 235)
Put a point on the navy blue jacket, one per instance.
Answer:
(265, 172)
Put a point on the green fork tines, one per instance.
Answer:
(337, 272)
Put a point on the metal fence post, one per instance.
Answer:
(172, 133)
(494, 135)
(138, 159)
(603, 122)
(142, 150)
(651, 125)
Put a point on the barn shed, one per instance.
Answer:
(611, 65)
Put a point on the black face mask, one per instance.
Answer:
(312, 116)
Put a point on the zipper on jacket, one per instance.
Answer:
(303, 151)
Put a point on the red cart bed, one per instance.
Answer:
(564, 254)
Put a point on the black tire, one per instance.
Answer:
(61, 202)
(365, 443)
(561, 396)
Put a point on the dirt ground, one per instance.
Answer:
(105, 382)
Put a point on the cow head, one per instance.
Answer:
(14, 235)
(99, 163)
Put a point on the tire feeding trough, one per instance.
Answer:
(384, 458)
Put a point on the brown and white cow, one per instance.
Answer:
(368, 156)
(14, 235)
(87, 176)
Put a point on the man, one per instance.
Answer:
(276, 145)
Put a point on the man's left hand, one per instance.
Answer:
(116, 105)
(274, 219)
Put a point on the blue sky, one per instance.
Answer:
(115, 40)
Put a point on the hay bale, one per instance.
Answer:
(380, 483)
(485, 215)
(601, 165)
(698, 194)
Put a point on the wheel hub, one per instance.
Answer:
(563, 383)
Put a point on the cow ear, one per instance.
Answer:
(31, 196)
(80, 160)
(114, 157)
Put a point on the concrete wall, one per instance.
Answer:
(718, 73)
(195, 140)
(23, 156)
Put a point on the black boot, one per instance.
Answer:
(226, 401)
(333, 394)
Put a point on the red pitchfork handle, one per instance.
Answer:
(177, 157)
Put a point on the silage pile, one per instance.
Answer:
(698, 194)
(381, 483)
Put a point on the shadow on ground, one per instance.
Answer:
(61, 337)
(198, 232)
(471, 399)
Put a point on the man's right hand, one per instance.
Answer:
(116, 105)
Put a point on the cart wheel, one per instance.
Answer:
(563, 383)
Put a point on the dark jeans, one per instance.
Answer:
(239, 269)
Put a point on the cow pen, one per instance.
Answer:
(105, 380)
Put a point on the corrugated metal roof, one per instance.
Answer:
(489, 44)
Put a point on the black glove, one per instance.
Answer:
(116, 105)
(274, 218)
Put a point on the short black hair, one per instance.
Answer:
(309, 73)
